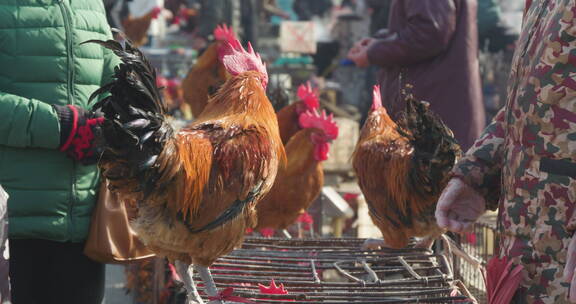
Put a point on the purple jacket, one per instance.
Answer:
(433, 45)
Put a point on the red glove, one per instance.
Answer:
(77, 127)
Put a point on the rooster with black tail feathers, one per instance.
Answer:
(402, 168)
(195, 190)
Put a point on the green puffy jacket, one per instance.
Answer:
(42, 63)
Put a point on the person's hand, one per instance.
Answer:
(360, 57)
(77, 133)
(359, 52)
(569, 269)
(459, 206)
(364, 42)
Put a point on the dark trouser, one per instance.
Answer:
(46, 272)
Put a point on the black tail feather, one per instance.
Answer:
(135, 130)
(435, 148)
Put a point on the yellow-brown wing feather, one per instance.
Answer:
(296, 186)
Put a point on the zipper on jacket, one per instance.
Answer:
(70, 85)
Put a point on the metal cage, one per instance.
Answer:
(334, 271)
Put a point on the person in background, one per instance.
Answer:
(327, 48)
(212, 14)
(278, 10)
(380, 14)
(113, 9)
(47, 152)
(492, 34)
(525, 162)
(306, 9)
(433, 46)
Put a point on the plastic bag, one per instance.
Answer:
(4, 252)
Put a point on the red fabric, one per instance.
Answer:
(502, 279)
(74, 127)
(350, 196)
(83, 142)
(471, 238)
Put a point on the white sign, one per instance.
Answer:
(297, 37)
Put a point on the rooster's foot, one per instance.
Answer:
(185, 273)
(209, 285)
(373, 244)
(425, 243)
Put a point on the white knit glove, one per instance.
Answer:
(459, 206)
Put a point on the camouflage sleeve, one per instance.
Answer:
(481, 167)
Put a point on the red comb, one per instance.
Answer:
(273, 288)
(308, 96)
(225, 33)
(161, 81)
(326, 123)
(238, 61)
(306, 220)
(156, 12)
(376, 98)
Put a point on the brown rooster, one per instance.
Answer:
(208, 74)
(288, 116)
(136, 29)
(195, 190)
(299, 183)
(402, 168)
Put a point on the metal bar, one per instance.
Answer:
(373, 276)
(409, 268)
(346, 274)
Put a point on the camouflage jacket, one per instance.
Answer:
(525, 161)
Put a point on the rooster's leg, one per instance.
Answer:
(286, 234)
(209, 284)
(186, 275)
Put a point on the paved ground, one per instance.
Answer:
(115, 292)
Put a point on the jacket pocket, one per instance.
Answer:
(558, 167)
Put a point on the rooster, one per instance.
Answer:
(402, 167)
(136, 28)
(209, 73)
(288, 116)
(300, 182)
(195, 190)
